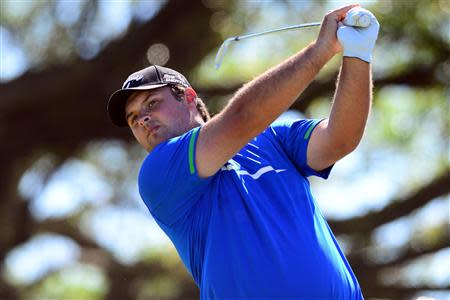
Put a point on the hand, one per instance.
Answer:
(359, 41)
(327, 40)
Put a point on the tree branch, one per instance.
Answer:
(418, 76)
(70, 101)
(364, 265)
(400, 292)
(396, 209)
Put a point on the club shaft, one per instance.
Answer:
(223, 48)
(359, 19)
(249, 35)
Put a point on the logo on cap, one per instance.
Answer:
(133, 81)
(174, 78)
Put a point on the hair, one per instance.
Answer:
(178, 92)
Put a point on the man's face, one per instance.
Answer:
(156, 115)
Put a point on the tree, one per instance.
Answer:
(55, 113)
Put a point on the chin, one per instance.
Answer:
(149, 146)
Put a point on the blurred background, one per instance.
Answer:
(72, 225)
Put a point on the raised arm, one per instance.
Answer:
(334, 138)
(337, 136)
(257, 104)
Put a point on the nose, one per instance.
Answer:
(144, 120)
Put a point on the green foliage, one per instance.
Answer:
(406, 116)
(75, 282)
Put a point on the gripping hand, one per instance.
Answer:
(358, 41)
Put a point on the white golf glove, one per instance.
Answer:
(358, 41)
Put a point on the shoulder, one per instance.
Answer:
(177, 148)
(168, 182)
(169, 158)
(287, 128)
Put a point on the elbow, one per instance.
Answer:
(350, 147)
(346, 147)
(347, 140)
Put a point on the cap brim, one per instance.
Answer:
(118, 100)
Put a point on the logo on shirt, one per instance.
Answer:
(232, 165)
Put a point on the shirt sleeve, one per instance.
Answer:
(168, 180)
(294, 138)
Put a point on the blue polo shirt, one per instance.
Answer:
(252, 230)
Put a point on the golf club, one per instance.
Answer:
(360, 19)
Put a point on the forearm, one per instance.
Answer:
(351, 104)
(263, 99)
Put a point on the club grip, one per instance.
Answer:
(357, 19)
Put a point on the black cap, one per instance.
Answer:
(146, 79)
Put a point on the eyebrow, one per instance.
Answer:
(146, 99)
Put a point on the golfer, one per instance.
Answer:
(232, 191)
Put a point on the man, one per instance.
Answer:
(232, 192)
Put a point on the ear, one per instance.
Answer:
(190, 95)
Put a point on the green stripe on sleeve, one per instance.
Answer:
(191, 150)
(310, 129)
